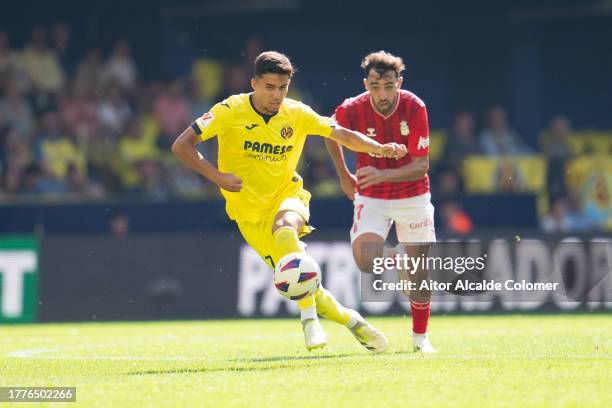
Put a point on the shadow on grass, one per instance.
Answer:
(246, 368)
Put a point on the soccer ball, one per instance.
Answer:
(297, 275)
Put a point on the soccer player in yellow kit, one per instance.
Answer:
(261, 136)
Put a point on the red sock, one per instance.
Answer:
(420, 316)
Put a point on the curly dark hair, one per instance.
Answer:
(381, 62)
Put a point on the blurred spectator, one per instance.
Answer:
(57, 151)
(136, 150)
(120, 67)
(199, 104)
(557, 220)
(11, 69)
(498, 138)
(188, 183)
(448, 185)
(325, 183)
(113, 112)
(581, 218)
(38, 181)
(63, 48)
(555, 144)
(90, 70)
(44, 70)
(119, 225)
(237, 80)
(173, 112)
(461, 142)
(15, 111)
(79, 187)
(208, 76)
(253, 46)
(78, 110)
(16, 156)
(455, 220)
(508, 177)
(567, 215)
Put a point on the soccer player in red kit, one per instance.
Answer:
(387, 192)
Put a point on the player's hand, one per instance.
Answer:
(369, 176)
(393, 150)
(229, 182)
(347, 184)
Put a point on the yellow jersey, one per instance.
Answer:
(262, 150)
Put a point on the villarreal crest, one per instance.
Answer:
(286, 132)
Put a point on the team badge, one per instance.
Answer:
(371, 132)
(286, 132)
(404, 129)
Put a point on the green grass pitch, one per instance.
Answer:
(556, 361)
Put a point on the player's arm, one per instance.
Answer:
(359, 142)
(315, 124)
(418, 146)
(347, 179)
(184, 148)
(415, 170)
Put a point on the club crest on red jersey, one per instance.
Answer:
(286, 132)
(404, 129)
(371, 132)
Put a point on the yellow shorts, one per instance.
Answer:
(259, 234)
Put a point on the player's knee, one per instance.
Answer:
(366, 248)
(288, 219)
(364, 263)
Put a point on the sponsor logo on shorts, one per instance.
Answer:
(427, 222)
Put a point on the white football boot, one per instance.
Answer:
(314, 336)
(366, 334)
(421, 343)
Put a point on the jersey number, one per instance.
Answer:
(358, 210)
(270, 261)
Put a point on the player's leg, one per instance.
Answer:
(415, 231)
(370, 227)
(259, 236)
(292, 217)
(285, 228)
(290, 221)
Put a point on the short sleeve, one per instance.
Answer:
(418, 138)
(216, 122)
(341, 116)
(315, 124)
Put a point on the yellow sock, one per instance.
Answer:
(328, 306)
(286, 242)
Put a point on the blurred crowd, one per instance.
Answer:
(564, 210)
(82, 125)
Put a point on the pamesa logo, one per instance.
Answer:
(266, 148)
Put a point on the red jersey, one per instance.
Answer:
(406, 124)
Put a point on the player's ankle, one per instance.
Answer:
(354, 319)
(309, 313)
